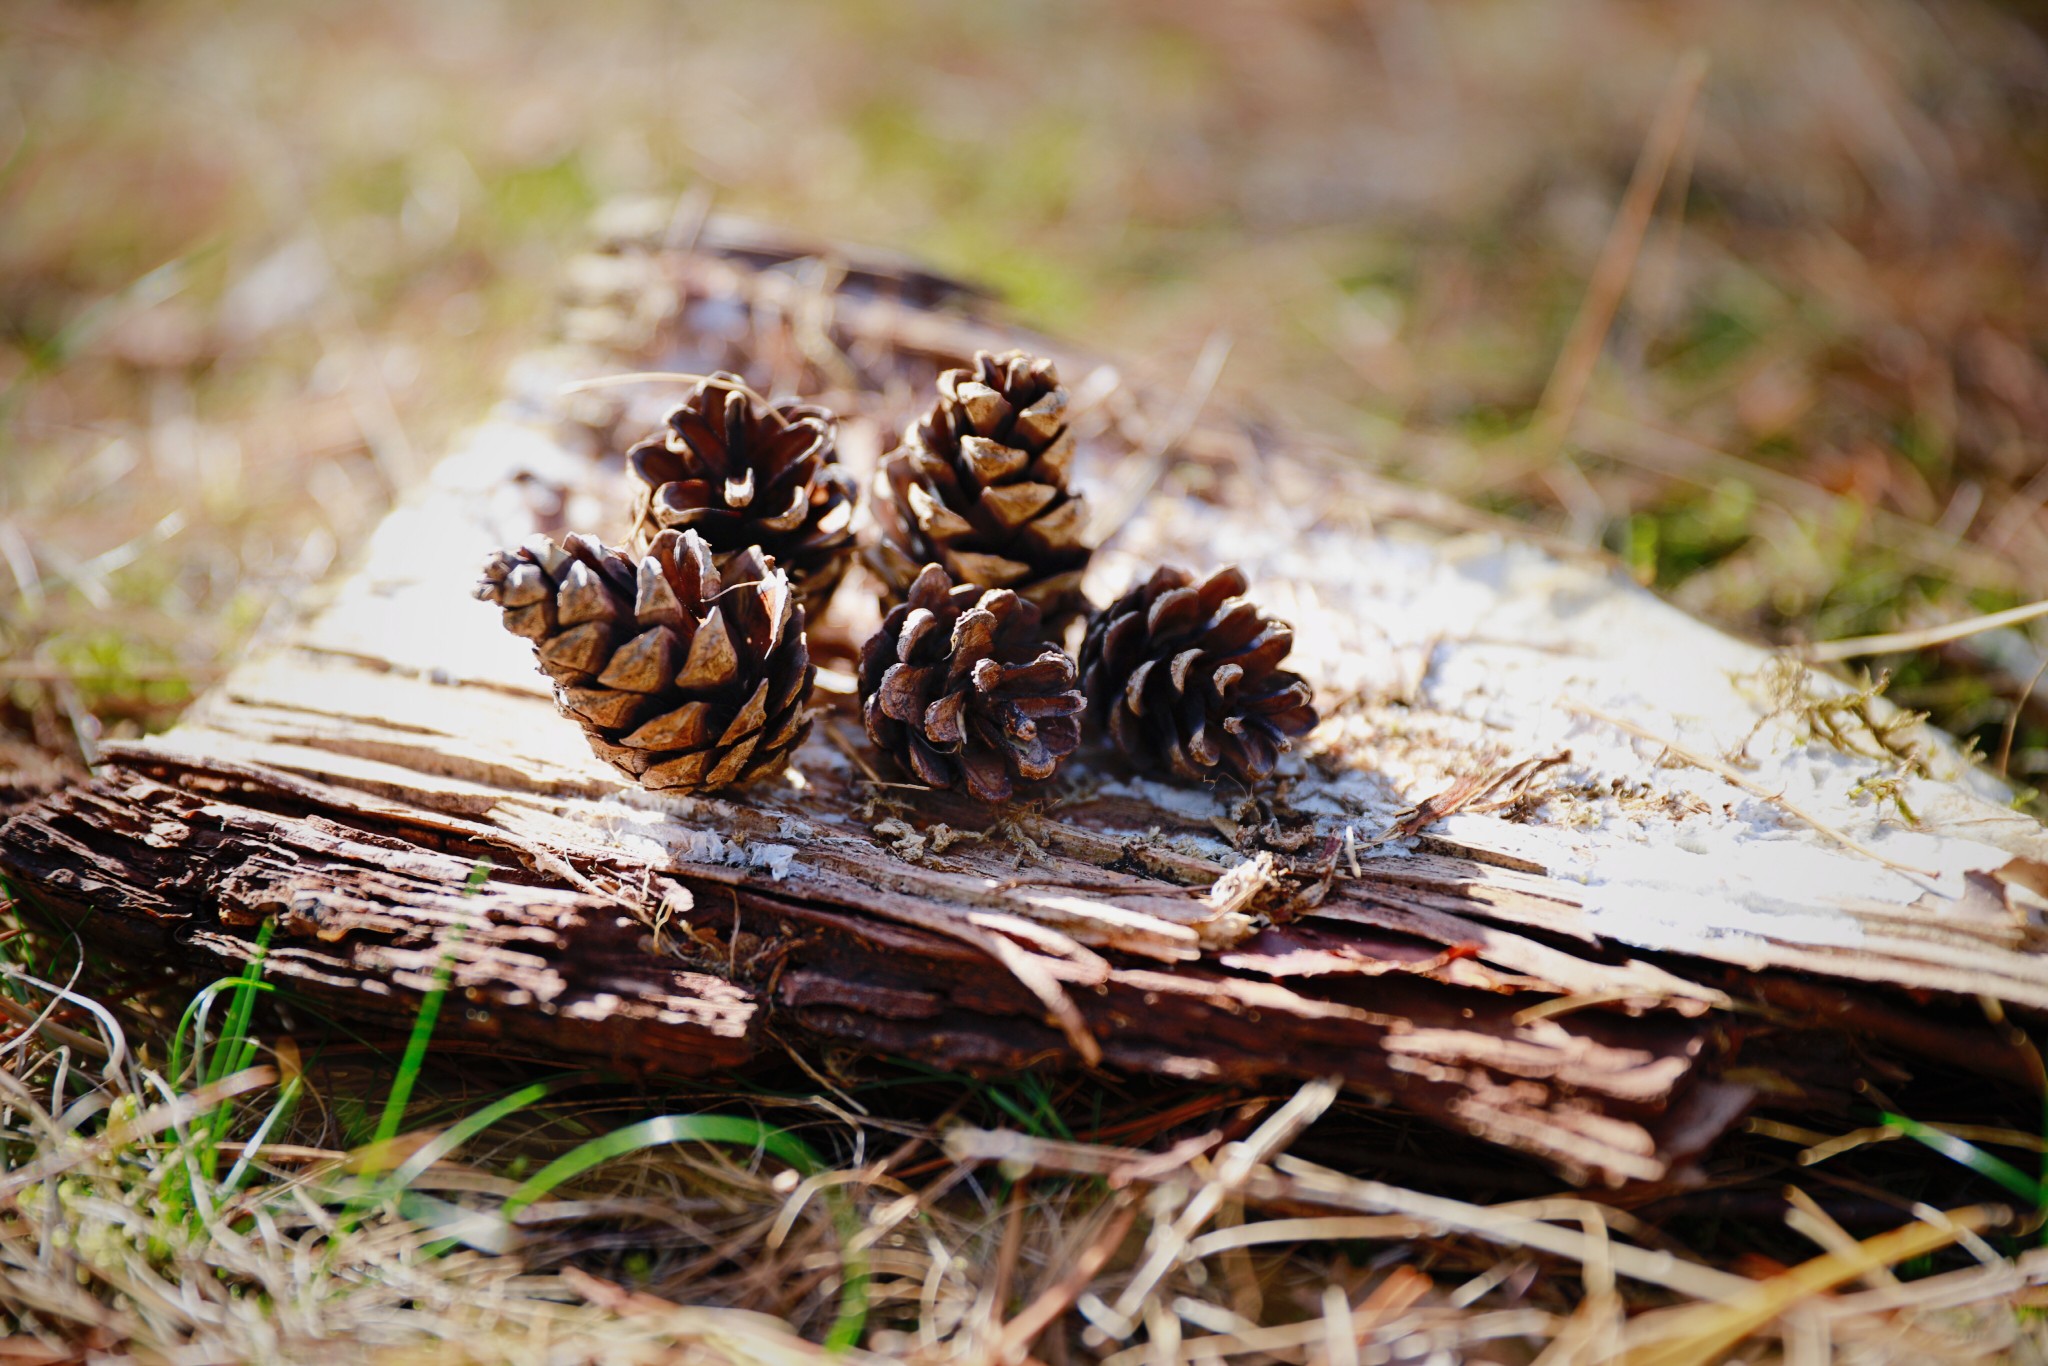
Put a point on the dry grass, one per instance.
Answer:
(259, 264)
(258, 268)
(232, 1198)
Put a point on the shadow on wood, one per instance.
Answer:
(1468, 897)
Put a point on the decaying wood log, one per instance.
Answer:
(1479, 893)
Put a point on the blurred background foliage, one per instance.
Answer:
(258, 263)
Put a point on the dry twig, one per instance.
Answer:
(1898, 642)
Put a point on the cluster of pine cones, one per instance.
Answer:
(685, 660)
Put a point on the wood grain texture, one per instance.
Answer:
(347, 779)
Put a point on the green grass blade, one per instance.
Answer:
(740, 1132)
(235, 1049)
(193, 1022)
(1042, 1103)
(287, 1100)
(229, 1051)
(1970, 1155)
(423, 1024)
(365, 1193)
(469, 1126)
(416, 1046)
(652, 1133)
(1026, 1121)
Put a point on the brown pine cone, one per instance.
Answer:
(1185, 673)
(683, 675)
(740, 473)
(959, 684)
(979, 485)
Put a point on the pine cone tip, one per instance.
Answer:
(741, 471)
(979, 486)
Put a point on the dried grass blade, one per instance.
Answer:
(1611, 273)
(1699, 1334)
(1236, 1162)
(151, 1121)
(1019, 1333)
(1898, 642)
(1306, 1182)
(730, 1129)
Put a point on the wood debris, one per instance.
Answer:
(1487, 791)
(1524, 980)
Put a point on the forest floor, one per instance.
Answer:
(260, 264)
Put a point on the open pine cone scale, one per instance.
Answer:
(683, 674)
(979, 486)
(1185, 674)
(959, 686)
(741, 473)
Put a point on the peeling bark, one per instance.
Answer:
(346, 781)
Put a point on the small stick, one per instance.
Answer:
(1754, 789)
(1855, 647)
(1156, 456)
(1611, 273)
(2012, 722)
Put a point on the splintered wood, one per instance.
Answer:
(1549, 832)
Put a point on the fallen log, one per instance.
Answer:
(1548, 832)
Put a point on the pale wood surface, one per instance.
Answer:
(346, 778)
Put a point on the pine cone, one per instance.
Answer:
(1187, 671)
(740, 473)
(979, 485)
(683, 675)
(959, 683)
